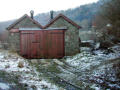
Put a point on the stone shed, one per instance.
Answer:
(71, 36)
(14, 33)
(72, 39)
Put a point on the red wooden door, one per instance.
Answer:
(26, 48)
(56, 44)
(42, 44)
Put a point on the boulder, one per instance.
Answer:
(21, 64)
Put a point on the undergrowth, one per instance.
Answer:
(12, 80)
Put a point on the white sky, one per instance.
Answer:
(12, 9)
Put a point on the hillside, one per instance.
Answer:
(5, 24)
(82, 15)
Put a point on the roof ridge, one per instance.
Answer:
(36, 22)
(65, 17)
(47, 25)
(20, 19)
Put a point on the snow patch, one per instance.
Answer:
(85, 59)
(94, 86)
(4, 86)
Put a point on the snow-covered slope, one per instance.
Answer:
(97, 69)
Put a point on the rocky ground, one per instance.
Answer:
(95, 70)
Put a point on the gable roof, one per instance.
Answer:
(47, 25)
(20, 19)
(65, 18)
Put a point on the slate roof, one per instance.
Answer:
(65, 18)
(20, 19)
(45, 26)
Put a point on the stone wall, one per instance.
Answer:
(71, 36)
(14, 38)
(25, 23)
(14, 41)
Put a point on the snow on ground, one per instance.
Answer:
(86, 59)
(83, 62)
(97, 64)
(28, 75)
(106, 75)
(4, 86)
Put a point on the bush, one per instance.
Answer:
(105, 45)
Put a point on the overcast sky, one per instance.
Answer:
(12, 9)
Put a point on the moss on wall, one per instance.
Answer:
(71, 36)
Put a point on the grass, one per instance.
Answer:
(53, 68)
(50, 73)
(46, 74)
(12, 79)
(48, 68)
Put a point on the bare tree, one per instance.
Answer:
(110, 13)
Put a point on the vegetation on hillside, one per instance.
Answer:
(83, 15)
(109, 14)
